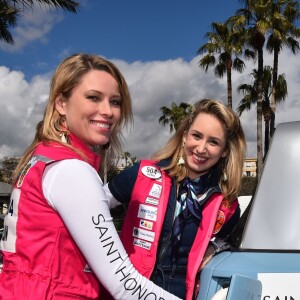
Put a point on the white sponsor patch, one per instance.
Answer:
(143, 234)
(142, 244)
(9, 235)
(147, 212)
(146, 224)
(155, 190)
(151, 200)
(151, 172)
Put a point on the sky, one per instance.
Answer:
(154, 44)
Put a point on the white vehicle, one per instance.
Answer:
(265, 264)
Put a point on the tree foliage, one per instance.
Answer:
(223, 50)
(7, 167)
(251, 95)
(10, 10)
(174, 115)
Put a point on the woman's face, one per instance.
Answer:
(93, 109)
(204, 144)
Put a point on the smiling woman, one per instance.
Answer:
(183, 204)
(59, 240)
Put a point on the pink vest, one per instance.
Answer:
(144, 220)
(41, 260)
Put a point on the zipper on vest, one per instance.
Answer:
(172, 272)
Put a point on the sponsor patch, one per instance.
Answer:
(143, 234)
(155, 190)
(151, 200)
(219, 222)
(142, 244)
(147, 212)
(151, 172)
(146, 224)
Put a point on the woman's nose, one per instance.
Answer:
(105, 108)
(201, 146)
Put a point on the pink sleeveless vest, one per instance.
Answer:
(41, 261)
(144, 219)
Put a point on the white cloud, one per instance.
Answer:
(152, 85)
(32, 25)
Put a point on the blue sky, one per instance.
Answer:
(154, 43)
(131, 30)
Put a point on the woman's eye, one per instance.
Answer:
(196, 136)
(116, 102)
(93, 98)
(214, 142)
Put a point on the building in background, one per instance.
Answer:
(249, 168)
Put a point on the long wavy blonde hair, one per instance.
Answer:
(232, 164)
(67, 75)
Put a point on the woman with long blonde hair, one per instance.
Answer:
(59, 240)
(183, 203)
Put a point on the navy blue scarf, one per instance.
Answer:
(189, 204)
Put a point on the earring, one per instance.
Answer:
(181, 160)
(224, 175)
(64, 136)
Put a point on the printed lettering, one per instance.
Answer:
(124, 276)
(139, 289)
(102, 231)
(100, 216)
(151, 294)
(129, 286)
(111, 245)
(119, 257)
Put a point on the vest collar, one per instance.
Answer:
(92, 158)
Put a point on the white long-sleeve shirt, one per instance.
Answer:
(74, 189)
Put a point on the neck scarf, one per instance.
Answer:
(188, 204)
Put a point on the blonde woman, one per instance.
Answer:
(59, 240)
(183, 198)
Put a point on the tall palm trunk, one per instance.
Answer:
(273, 104)
(229, 83)
(259, 112)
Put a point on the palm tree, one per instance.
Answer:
(11, 9)
(255, 18)
(8, 17)
(227, 43)
(251, 94)
(174, 115)
(285, 14)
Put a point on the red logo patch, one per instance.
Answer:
(219, 222)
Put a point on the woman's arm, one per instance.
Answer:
(119, 189)
(75, 190)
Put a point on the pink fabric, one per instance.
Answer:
(46, 264)
(143, 259)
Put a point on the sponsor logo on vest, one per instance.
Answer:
(155, 190)
(142, 244)
(219, 222)
(147, 212)
(143, 234)
(151, 200)
(151, 172)
(146, 224)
